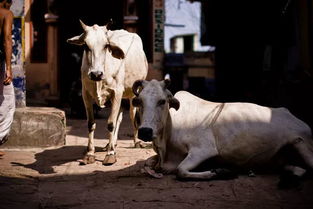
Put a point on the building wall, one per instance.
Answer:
(183, 18)
(156, 67)
(147, 19)
(41, 77)
(18, 53)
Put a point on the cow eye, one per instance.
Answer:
(161, 102)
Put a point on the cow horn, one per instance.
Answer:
(173, 102)
(136, 85)
(166, 83)
(83, 25)
(108, 25)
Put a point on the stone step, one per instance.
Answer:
(37, 127)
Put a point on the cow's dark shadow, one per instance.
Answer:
(47, 159)
(54, 191)
(129, 187)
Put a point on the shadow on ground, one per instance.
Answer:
(46, 160)
(129, 188)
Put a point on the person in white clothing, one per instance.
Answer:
(7, 97)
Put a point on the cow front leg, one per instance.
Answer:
(113, 126)
(169, 167)
(115, 132)
(193, 160)
(90, 155)
(159, 165)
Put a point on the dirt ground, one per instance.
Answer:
(52, 178)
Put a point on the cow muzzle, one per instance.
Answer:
(145, 134)
(95, 75)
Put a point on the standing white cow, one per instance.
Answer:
(112, 61)
(239, 134)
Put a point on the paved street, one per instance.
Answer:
(52, 178)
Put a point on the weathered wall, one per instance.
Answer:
(18, 53)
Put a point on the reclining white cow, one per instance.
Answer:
(112, 62)
(195, 130)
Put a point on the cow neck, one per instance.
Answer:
(165, 134)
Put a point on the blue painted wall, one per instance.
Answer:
(18, 55)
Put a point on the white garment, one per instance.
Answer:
(7, 104)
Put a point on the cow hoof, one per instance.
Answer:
(251, 173)
(138, 145)
(109, 160)
(88, 159)
(289, 181)
(151, 172)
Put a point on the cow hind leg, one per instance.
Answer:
(134, 120)
(115, 132)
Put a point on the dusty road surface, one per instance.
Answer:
(52, 178)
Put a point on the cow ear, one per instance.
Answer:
(136, 102)
(116, 51)
(109, 24)
(173, 102)
(77, 40)
(137, 84)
